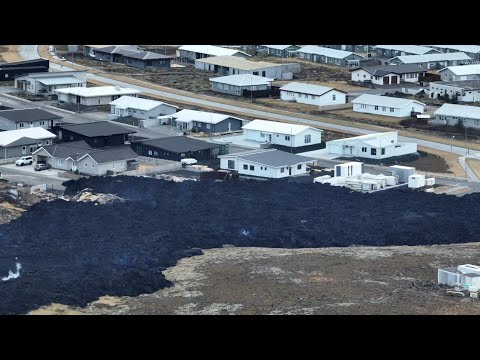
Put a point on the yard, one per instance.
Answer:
(475, 166)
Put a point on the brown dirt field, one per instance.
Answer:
(437, 157)
(9, 53)
(474, 165)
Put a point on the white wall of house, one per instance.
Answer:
(362, 76)
(88, 101)
(453, 120)
(260, 170)
(360, 148)
(302, 139)
(388, 111)
(88, 166)
(332, 97)
(142, 114)
(463, 95)
(448, 75)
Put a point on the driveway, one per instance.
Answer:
(28, 170)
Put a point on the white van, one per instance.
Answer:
(24, 160)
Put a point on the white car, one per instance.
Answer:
(24, 160)
(188, 161)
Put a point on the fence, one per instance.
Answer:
(273, 91)
(335, 107)
(8, 161)
(154, 169)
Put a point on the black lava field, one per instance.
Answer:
(73, 252)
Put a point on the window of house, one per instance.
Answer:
(93, 165)
(261, 167)
(364, 149)
(86, 164)
(287, 137)
(47, 142)
(308, 139)
(299, 166)
(376, 107)
(313, 97)
(60, 162)
(150, 152)
(99, 101)
(20, 125)
(121, 165)
(384, 108)
(262, 135)
(155, 153)
(231, 164)
(265, 168)
(252, 167)
(245, 167)
(299, 95)
(42, 122)
(282, 170)
(24, 148)
(383, 151)
(392, 109)
(364, 76)
(334, 97)
(363, 106)
(373, 151)
(39, 143)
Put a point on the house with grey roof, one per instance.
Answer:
(452, 114)
(329, 56)
(283, 51)
(176, 148)
(190, 53)
(16, 143)
(207, 122)
(312, 94)
(471, 50)
(433, 61)
(462, 72)
(388, 74)
(266, 163)
(240, 84)
(387, 105)
(27, 118)
(47, 83)
(112, 53)
(145, 59)
(140, 108)
(78, 155)
(390, 51)
(95, 134)
(463, 90)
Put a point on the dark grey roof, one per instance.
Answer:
(464, 84)
(99, 128)
(396, 69)
(23, 62)
(22, 115)
(69, 149)
(143, 55)
(106, 49)
(179, 144)
(275, 158)
(113, 154)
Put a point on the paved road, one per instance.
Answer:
(30, 52)
(31, 179)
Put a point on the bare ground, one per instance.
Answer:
(9, 53)
(474, 165)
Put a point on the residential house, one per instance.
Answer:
(452, 114)
(462, 72)
(89, 50)
(388, 74)
(140, 108)
(371, 146)
(239, 84)
(387, 105)
(463, 90)
(283, 51)
(432, 61)
(47, 83)
(202, 121)
(27, 118)
(190, 53)
(284, 134)
(16, 143)
(93, 96)
(95, 134)
(471, 50)
(390, 51)
(145, 59)
(266, 163)
(231, 65)
(8, 71)
(352, 48)
(312, 94)
(176, 148)
(78, 155)
(329, 56)
(113, 53)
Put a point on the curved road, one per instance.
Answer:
(31, 52)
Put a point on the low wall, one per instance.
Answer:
(154, 169)
(8, 160)
(335, 107)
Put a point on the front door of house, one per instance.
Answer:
(270, 138)
(289, 171)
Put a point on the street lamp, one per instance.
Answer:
(451, 145)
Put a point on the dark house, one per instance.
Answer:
(112, 53)
(27, 118)
(9, 71)
(95, 134)
(145, 59)
(176, 148)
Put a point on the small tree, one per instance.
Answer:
(454, 99)
(459, 125)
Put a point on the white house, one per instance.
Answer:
(328, 56)
(464, 90)
(202, 121)
(101, 95)
(387, 105)
(402, 50)
(462, 72)
(371, 146)
(232, 65)
(141, 108)
(236, 84)
(278, 133)
(189, 53)
(432, 61)
(47, 83)
(471, 50)
(266, 163)
(388, 74)
(451, 114)
(312, 94)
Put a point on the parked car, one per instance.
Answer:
(24, 160)
(41, 166)
(188, 161)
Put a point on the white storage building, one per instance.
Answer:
(312, 94)
(451, 114)
(278, 133)
(387, 105)
(463, 72)
(101, 95)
